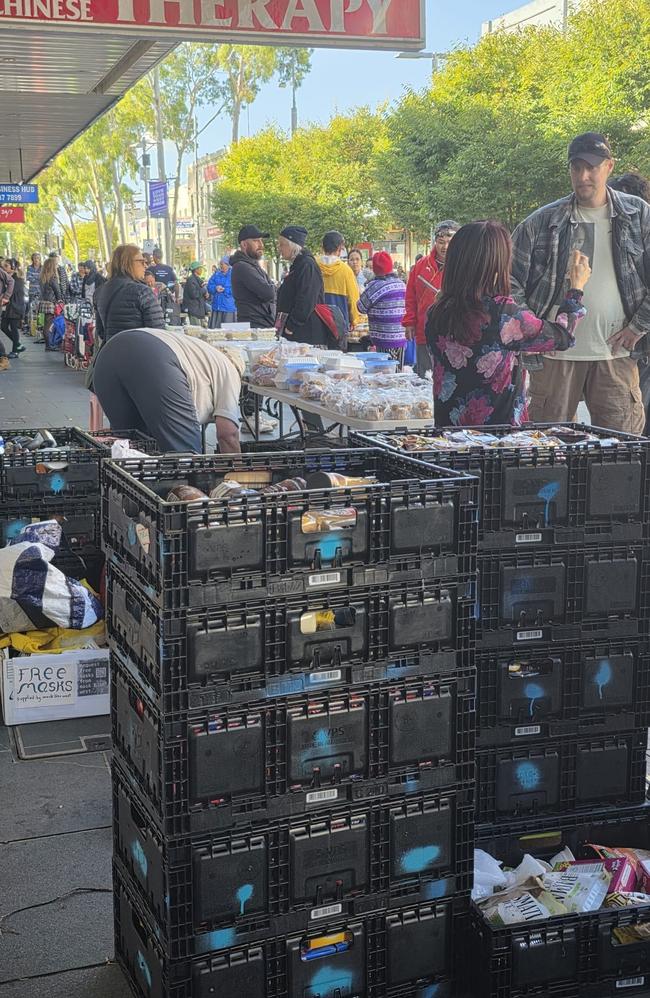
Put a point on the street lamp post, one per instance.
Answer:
(437, 58)
(146, 162)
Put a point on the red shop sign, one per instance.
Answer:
(390, 24)
(8, 213)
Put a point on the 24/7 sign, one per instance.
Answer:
(390, 24)
(8, 213)
(18, 194)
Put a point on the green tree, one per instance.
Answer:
(489, 138)
(244, 69)
(188, 81)
(320, 178)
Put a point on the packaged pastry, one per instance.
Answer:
(185, 493)
(334, 480)
(288, 485)
(229, 489)
(423, 409)
(317, 521)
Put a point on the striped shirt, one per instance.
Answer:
(384, 303)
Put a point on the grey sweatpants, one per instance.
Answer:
(141, 386)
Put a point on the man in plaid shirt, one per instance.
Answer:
(613, 230)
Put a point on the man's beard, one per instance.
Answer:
(254, 254)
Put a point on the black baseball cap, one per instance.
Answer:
(593, 147)
(251, 232)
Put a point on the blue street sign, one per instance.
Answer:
(158, 198)
(18, 193)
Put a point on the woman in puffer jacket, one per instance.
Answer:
(125, 301)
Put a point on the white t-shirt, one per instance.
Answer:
(605, 314)
(215, 382)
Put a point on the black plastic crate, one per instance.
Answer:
(87, 563)
(589, 688)
(541, 496)
(560, 776)
(139, 440)
(398, 954)
(417, 522)
(565, 594)
(241, 652)
(80, 519)
(277, 758)
(25, 476)
(576, 952)
(289, 876)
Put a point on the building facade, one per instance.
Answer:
(537, 13)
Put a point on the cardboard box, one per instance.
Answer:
(55, 687)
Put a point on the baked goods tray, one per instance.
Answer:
(340, 418)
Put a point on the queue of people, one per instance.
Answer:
(510, 326)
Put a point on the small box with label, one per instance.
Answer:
(56, 687)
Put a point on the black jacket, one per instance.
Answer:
(123, 303)
(94, 277)
(253, 291)
(299, 294)
(194, 301)
(51, 291)
(15, 307)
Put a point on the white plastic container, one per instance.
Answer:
(333, 360)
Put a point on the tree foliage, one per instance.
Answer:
(320, 178)
(490, 136)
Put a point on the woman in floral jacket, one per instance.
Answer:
(476, 331)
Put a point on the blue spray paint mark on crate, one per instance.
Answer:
(328, 547)
(528, 775)
(330, 979)
(322, 737)
(419, 859)
(548, 493)
(57, 483)
(14, 528)
(430, 991)
(139, 857)
(143, 967)
(243, 895)
(436, 889)
(219, 939)
(533, 691)
(603, 677)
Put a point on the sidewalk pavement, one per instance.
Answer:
(39, 390)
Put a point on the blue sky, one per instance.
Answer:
(341, 80)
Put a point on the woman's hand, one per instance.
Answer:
(579, 270)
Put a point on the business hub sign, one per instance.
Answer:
(18, 193)
(390, 24)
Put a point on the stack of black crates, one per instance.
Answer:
(563, 693)
(62, 483)
(294, 725)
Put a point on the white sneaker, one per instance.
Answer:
(267, 423)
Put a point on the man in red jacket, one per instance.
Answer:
(422, 290)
